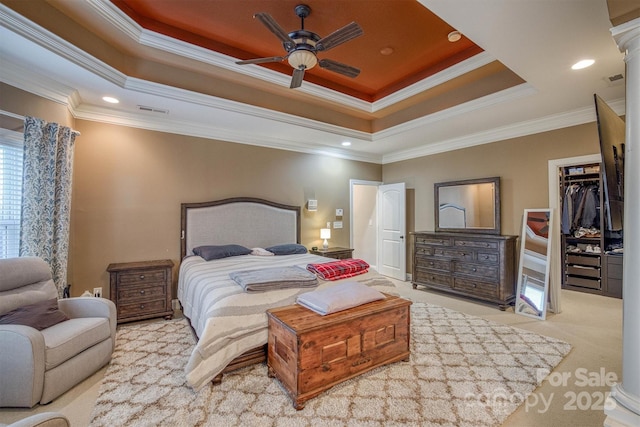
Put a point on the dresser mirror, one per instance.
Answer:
(468, 206)
(533, 274)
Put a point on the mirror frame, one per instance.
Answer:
(545, 297)
(496, 205)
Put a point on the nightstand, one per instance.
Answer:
(337, 253)
(141, 290)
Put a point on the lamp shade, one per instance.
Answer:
(303, 57)
(325, 233)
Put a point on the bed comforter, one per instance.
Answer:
(229, 321)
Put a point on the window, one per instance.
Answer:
(10, 192)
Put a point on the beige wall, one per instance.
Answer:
(24, 103)
(129, 183)
(521, 164)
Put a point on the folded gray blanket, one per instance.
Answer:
(268, 279)
(339, 297)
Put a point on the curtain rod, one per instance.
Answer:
(19, 117)
(10, 114)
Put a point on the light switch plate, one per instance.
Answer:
(339, 212)
(337, 224)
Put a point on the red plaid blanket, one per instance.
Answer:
(339, 269)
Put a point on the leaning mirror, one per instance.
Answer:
(533, 274)
(469, 206)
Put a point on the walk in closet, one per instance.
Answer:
(591, 262)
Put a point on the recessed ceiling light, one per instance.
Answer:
(582, 64)
(346, 144)
(386, 51)
(454, 36)
(110, 99)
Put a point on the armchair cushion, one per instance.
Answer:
(68, 339)
(44, 419)
(40, 315)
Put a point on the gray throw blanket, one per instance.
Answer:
(339, 297)
(267, 279)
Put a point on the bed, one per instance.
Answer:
(229, 323)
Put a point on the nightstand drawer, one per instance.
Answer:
(143, 276)
(142, 308)
(125, 294)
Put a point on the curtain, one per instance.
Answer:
(46, 194)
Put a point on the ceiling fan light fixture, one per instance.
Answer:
(302, 58)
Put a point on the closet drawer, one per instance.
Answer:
(583, 282)
(593, 261)
(579, 270)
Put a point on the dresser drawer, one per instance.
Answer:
(126, 294)
(476, 270)
(476, 244)
(423, 250)
(462, 254)
(488, 256)
(434, 263)
(433, 240)
(476, 287)
(143, 276)
(428, 276)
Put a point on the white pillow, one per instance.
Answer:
(261, 252)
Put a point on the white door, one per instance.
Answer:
(392, 251)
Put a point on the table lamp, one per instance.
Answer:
(325, 233)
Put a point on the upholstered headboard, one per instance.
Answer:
(245, 221)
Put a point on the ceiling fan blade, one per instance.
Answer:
(261, 60)
(339, 67)
(344, 34)
(276, 29)
(298, 75)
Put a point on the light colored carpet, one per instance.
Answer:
(464, 371)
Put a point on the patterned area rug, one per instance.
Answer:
(464, 371)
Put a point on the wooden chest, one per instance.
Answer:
(141, 290)
(310, 353)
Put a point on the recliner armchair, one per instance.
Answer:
(36, 366)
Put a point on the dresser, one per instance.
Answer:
(479, 266)
(141, 290)
(337, 253)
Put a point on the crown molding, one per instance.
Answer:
(506, 95)
(529, 127)
(439, 78)
(158, 41)
(212, 132)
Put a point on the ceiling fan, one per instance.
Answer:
(302, 46)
